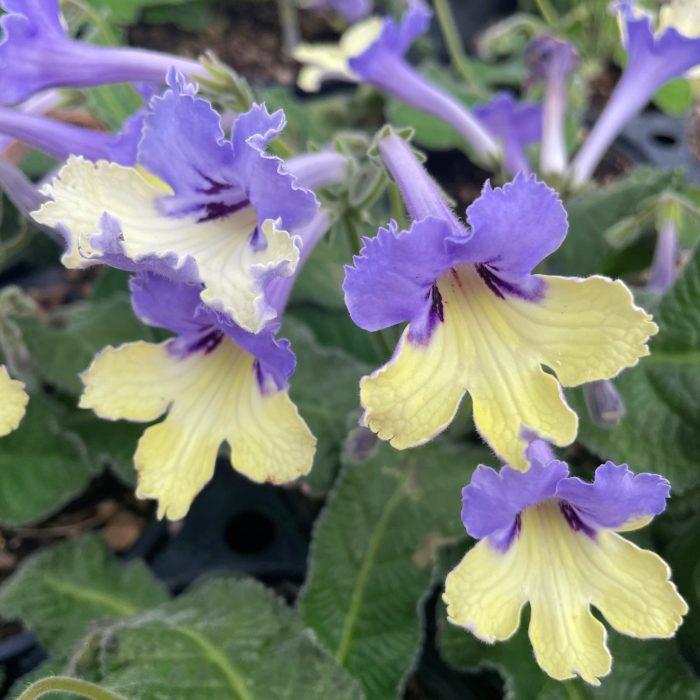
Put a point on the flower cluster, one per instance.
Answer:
(214, 230)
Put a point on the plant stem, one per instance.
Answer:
(548, 12)
(289, 22)
(64, 684)
(453, 41)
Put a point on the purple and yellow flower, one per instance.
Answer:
(653, 60)
(514, 125)
(13, 402)
(214, 381)
(36, 54)
(479, 320)
(552, 541)
(197, 207)
(373, 52)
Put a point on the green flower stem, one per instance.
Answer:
(459, 59)
(548, 12)
(58, 684)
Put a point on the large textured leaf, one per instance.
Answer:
(325, 387)
(373, 555)
(225, 639)
(42, 465)
(58, 592)
(642, 669)
(662, 395)
(64, 346)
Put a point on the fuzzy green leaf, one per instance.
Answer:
(659, 432)
(225, 639)
(373, 557)
(61, 590)
(42, 465)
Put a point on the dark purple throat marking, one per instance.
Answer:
(230, 199)
(207, 342)
(574, 521)
(497, 285)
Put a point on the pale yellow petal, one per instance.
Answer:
(231, 270)
(584, 329)
(567, 640)
(210, 398)
(415, 395)
(270, 441)
(13, 402)
(326, 61)
(484, 592)
(632, 588)
(135, 381)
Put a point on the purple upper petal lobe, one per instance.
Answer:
(393, 275)
(514, 227)
(492, 500)
(177, 307)
(184, 145)
(616, 496)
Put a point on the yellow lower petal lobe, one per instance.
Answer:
(562, 572)
(484, 592)
(13, 402)
(209, 398)
(495, 348)
(415, 396)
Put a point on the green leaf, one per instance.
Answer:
(325, 387)
(644, 669)
(42, 465)
(592, 212)
(373, 557)
(675, 97)
(65, 344)
(659, 432)
(127, 11)
(224, 639)
(107, 444)
(61, 590)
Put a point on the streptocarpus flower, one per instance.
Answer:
(37, 54)
(351, 10)
(216, 383)
(551, 540)
(551, 60)
(653, 60)
(515, 125)
(373, 52)
(479, 320)
(197, 207)
(13, 402)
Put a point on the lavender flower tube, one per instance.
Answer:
(63, 140)
(552, 60)
(654, 59)
(384, 66)
(36, 54)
